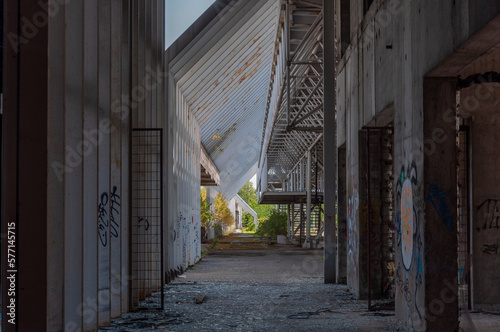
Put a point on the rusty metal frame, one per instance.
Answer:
(368, 130)
(156, 133)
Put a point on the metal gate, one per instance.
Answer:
(379, 231)
(146, 235)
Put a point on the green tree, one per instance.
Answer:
(223, 215)
(275, 224)
(249, 194)
(206, 214)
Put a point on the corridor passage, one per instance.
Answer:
(247, 285)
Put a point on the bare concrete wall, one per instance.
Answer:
(485, 127)
(76, 119)
(392, 48)
(342, 219)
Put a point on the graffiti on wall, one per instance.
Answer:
(144, 223)
(114, 212)
(197, 240)
(406, 218)
(102, 218)
(489, 214)
(108, 224)
(492, 249)
(407, 223)
(437, 198)
(409, 277)
(177, 229)
(403, 286)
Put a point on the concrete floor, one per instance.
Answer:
(251, 286)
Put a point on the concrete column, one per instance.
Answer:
(307, 243)
(289, 218)
(73, 181)
(104, 102)
(330, 142)
(90, 169)
(25, 180)
(440, 190)
(342, 219)
(125, 159)
(115, 192)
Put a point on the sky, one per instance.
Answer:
(254, 181)
(180, 14)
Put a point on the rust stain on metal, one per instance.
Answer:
(251, 74)
(256, 39)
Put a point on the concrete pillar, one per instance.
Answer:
(440, 310)
(25, 173)
(330, 142)
(90, 169)
(104, 84)
(73, 181)
(289, 220)
(307, 243)
(342, 219)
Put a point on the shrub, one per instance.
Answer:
(274, 225)
(250, 227)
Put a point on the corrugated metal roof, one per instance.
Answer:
(225, 75)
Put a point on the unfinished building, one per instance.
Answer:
(371, 122)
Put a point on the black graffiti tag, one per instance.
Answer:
(145, 223)
(103, 222)
(492, 249)
(489, 211)
(114, 212)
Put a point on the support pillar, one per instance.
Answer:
(440, 192)
(301, 169)
(330, 142)
(289, 221)
(307, 243)
(342, 219)
(24, 181)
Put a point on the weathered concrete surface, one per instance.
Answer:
(258, 290)
(435, 267)
(485, 123)
(342, 219)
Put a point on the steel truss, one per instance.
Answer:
(292, 143)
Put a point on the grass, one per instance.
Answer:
(245, 231)
(215, 242)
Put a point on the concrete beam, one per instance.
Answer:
(481, 43)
